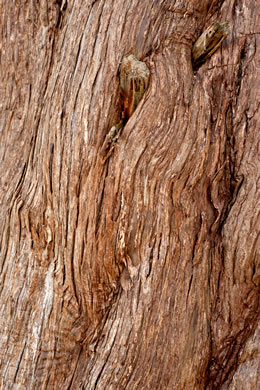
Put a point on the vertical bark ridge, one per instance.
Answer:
(140, 271)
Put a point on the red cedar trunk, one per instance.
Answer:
(135, 267)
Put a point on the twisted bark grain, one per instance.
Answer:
(139, 271)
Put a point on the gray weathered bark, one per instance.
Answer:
(136, 267)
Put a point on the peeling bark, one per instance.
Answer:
(138, 269)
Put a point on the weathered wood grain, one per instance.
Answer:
(139, 270)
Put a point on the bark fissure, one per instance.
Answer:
(129, 262)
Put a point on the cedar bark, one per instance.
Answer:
(138, 267)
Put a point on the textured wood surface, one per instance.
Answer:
(140, 270)
(209, 41)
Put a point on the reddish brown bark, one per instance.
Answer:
(135, 267)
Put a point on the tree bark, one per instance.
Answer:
(134, 267)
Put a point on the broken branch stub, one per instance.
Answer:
(134, 79)
(209, 42)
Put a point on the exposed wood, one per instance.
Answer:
(209, 42)
(134, 80)
(134, 267)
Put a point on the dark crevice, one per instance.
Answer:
(150, 262)
(21, 180)
(19, 363)
(188, 293)
(72, 268)
(50, 165)
(100, 202)
(74, 371)
(239, 75)
(233, 196)
(224, 361)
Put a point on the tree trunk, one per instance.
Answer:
(134, 265)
